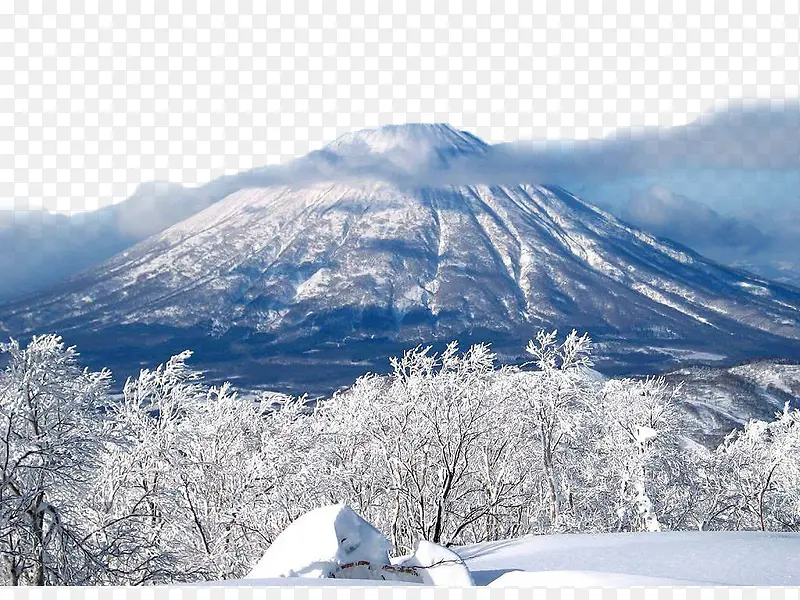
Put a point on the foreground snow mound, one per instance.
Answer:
(317, 544)
(438, 566)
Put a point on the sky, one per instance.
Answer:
(96, 98)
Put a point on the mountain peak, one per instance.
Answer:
(421, 139)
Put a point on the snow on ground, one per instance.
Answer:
(579, 579)
(259, 582)
(330, 541)
(438, 565)
(632, 559)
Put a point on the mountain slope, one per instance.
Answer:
(348, 269)
(719, 400)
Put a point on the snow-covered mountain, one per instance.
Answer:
(272, 281)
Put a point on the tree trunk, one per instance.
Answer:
(761, 496)
(552, 491)
(37, 520)
(437, 529)
(13, 574)
(396, 520)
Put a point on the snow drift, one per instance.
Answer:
(718, 558)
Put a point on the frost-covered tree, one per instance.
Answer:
(50, 440)
(553, 408)
(506, 468)
(452, 449)
(135, 502)
(412, 444)
(291, 466)
(235, 471)
(197, 482)
(751, 480)
(637, 464)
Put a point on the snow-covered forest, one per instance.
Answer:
(178, 481)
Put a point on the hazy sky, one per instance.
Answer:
(96, 98)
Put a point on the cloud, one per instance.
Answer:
(763, 136)
(152, 208)
(743, 138)
(692, 223)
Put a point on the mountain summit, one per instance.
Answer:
(413, 138)
(395, 151)
(336, 274)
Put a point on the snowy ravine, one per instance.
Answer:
(304, 286)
